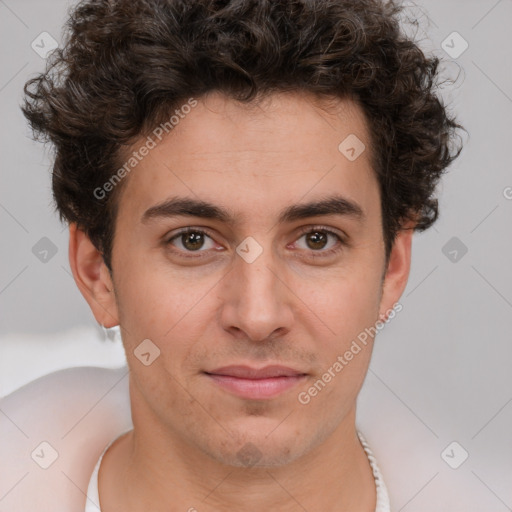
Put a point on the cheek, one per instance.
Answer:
(173, 312)
(156, 303)
(359, 308)
(349, 308)
(342, 304)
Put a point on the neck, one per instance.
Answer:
(149, 468)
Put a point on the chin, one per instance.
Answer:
(259, 444)
(256, 456)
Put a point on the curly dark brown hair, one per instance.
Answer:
(127, 64)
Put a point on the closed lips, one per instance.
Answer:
(246, 372)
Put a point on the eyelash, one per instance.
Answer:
(308, 229)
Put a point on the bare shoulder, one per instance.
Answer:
(52, 432)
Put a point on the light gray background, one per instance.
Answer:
(445, 360)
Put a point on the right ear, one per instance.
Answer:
(92, 277)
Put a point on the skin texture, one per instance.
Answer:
(286, 307)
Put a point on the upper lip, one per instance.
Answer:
(247, 372)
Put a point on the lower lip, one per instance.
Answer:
(256, 389)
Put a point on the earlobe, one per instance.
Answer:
(92, 277)
(397, 272)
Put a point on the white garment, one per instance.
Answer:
(78, 411)
(383, 505)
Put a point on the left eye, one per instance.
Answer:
(318, 240)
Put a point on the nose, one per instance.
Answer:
(257, 302)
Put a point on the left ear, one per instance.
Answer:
(397, 272)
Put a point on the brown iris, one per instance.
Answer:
(316, 240)
(192, 241)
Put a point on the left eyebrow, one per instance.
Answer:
(184, 206)
(333, 205)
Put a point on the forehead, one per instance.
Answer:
(252, 157)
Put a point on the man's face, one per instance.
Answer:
(210, 301)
